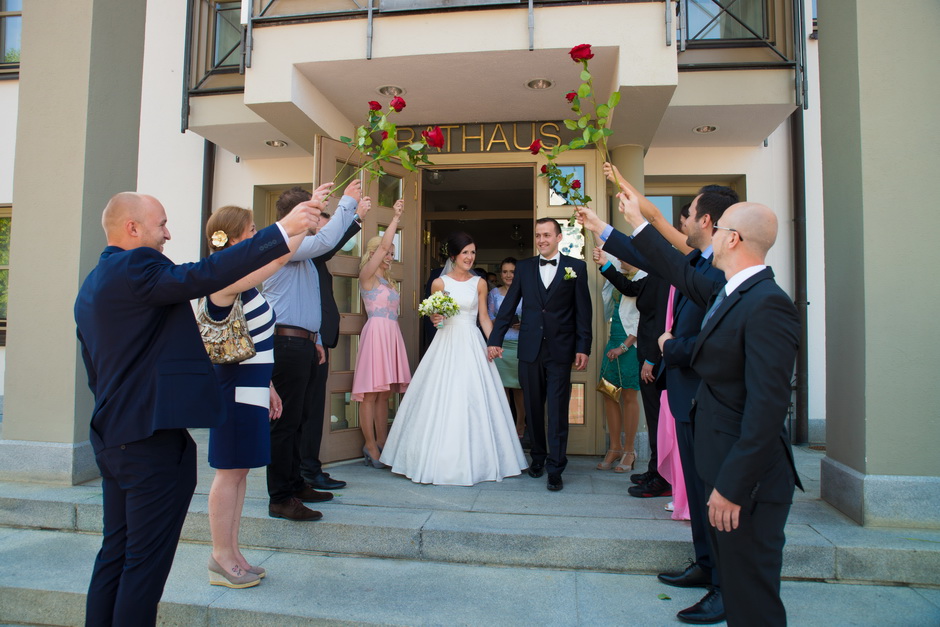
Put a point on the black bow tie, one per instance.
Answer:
(546, 262)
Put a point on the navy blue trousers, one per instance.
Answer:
(546, 383)
(147, 486)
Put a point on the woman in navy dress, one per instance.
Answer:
(244, 439)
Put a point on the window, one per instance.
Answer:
(717, 20)
(11, 24)
(228, 34)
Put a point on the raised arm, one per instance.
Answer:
(649, 211)
(367, 273)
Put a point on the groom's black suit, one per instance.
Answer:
(555, 325)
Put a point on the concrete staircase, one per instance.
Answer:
(392, 552)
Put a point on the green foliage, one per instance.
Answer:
(12, 56)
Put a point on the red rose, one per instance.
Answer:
(544, 169)
(384, 134)
(581, 52)
(374, 106)
(535, 147)
(576, 184)
(397, 103)
(434, 137)
(571, 95)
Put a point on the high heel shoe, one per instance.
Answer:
(219, 577)
(257, 570)
(369, 461)
(606, 465)
(622, 466)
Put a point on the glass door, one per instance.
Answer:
(342, 438)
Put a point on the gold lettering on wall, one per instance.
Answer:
(493, 140)
(515, 141)
(491, 137)
(466, 137)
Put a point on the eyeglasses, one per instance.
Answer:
(727, 228)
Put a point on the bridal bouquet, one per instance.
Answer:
(439, 303)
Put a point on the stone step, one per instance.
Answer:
(48, 572)
(589, 526)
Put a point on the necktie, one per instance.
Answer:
(711, 310)
(548, 262)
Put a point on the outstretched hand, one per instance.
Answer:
(321, 193)
(630, 208)
(590, 220)
(364, 206)
(399, 207)
(354, 190)
(302, 218)
(599, 257)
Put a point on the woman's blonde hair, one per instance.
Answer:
(371, 246)
(230, 220)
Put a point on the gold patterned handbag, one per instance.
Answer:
(227, 341)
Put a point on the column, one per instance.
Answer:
(880, 164)
(77, 144)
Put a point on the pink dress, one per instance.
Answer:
(382, 364)
(670, 466)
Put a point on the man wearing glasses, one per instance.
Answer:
(744, 353)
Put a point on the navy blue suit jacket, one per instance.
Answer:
(146, 363)
(682, 381)
(561, 314)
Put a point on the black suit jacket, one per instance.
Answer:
(561, 314)
(146, 362)
(329, 313)
(745, 355)
(682, 382)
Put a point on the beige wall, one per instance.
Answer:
(881, 161)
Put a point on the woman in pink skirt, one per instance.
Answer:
(382, 364)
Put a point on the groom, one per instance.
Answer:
(556, 331)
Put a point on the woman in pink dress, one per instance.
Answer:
(382, 364)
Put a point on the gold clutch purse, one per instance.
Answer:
(608, 389)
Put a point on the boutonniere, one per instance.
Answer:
(570, 273)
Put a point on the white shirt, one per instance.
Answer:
(739, 278)
(547, 271)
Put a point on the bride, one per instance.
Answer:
(454, 426)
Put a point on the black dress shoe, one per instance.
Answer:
(535, 470)
(309, 495)
(656, 487)
(642, 477)
(694, 576)
(324, 482)
(710, 610)
(554, 482)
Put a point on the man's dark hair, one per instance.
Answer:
(290, 199)
(714, 199)
(553, 221)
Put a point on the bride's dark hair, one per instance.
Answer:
(457, 242)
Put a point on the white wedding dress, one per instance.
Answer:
(454, 426)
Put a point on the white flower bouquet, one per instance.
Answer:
(439, 303)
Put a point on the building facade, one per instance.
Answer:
(204, 104)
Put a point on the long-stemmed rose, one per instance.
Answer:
(376, 140)
(593, 125)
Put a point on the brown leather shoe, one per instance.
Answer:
(292, 510)
(309, 495)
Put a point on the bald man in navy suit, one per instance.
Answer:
(152, 379)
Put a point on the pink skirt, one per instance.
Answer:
(669, 464)
(382, 364)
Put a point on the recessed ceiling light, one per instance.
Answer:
(705, 129)
(540, 84)
(390, 90)
(276, 143)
